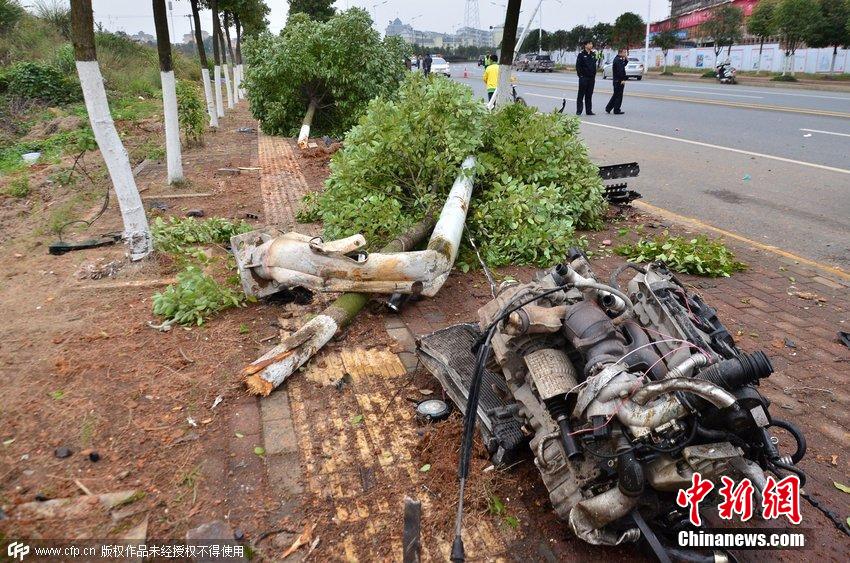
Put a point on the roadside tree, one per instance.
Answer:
(665, 41)
(834, 29)
(795, 21)
(628, 31)
(761, 24)
(724, 27)
(319, 10)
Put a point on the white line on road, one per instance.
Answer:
(730, 149)
(826, 132)
(547, 96)
(767, 91)
(715, 93)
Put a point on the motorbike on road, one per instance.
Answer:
(726, 73)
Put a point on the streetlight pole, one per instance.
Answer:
(646, 42)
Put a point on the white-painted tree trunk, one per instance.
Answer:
(136, 231)
(219, 103)
(205, 77)
(226, 68)
(172, 127)
(241, 68)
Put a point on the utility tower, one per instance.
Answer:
(471, 15)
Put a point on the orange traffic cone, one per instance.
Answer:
(465, 73)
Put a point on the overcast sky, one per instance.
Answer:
(433, 15)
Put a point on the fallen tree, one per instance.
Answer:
(535, 184)
(327, 69)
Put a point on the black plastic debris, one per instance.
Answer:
(195, 213)
(844, 337)
(62, 452)
(94, 457)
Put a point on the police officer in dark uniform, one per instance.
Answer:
(426, 64)
(586, 70)
(619, 76)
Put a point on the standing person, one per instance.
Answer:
(491, 76)
(586, 70)
(619, 75)
(426, 64)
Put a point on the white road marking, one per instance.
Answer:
(715, 93)
(766, 91)
(521, 94)
(826, 132)
(719, 147)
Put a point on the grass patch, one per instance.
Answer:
(52, 148)
(783, 78)
(19, 187)
(699, 256)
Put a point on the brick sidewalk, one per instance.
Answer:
(316, 453)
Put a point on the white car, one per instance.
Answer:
(440, 66)
(634, 69)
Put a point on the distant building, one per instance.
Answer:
(190, 37)
(465, 36)
(142, 37)
(689, 15)
(497, 31)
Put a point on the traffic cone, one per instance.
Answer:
(465, 73)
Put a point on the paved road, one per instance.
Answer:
(770, 164)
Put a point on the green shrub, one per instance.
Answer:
(43, 82)
(19, 187)
(783, 78)
(196, 295)
(64, 59)
(177, 235)
(401, 159)
(10, 14)
(709, 74)
(700, 256)
(340, 64)
(534, 182)
(191, 112)
(71, 142)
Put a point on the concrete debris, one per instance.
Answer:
(75, 507)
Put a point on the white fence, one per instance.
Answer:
(744, 57)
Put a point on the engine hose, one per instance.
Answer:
(627, 303)
(620, 269)
(798, 436)
(688, 440)
(775, 464)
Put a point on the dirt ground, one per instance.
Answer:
(82, 370)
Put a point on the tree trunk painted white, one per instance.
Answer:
(304, 134)
(172, 128)
(219, 103)
(226, 68)
(136, 231)
(205, 76)
(241, 68)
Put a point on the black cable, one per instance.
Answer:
(836, 520)
(798, 436)
(687, 441)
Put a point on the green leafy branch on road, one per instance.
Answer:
(699, 256)
(534, 184)
(197, 294)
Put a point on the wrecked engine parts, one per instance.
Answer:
(622, 395)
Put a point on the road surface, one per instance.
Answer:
(769, 164)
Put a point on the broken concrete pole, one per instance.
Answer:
(268, 264)
(304, 134)
(270, 370)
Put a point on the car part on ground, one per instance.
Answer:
(272, 368)
(268, 264)
(620, 394)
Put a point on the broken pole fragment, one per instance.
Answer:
(304, 134)
(412, 543)
(271, 369)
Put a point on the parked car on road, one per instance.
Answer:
(541, 63)
(634, 69)
(440, 66)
